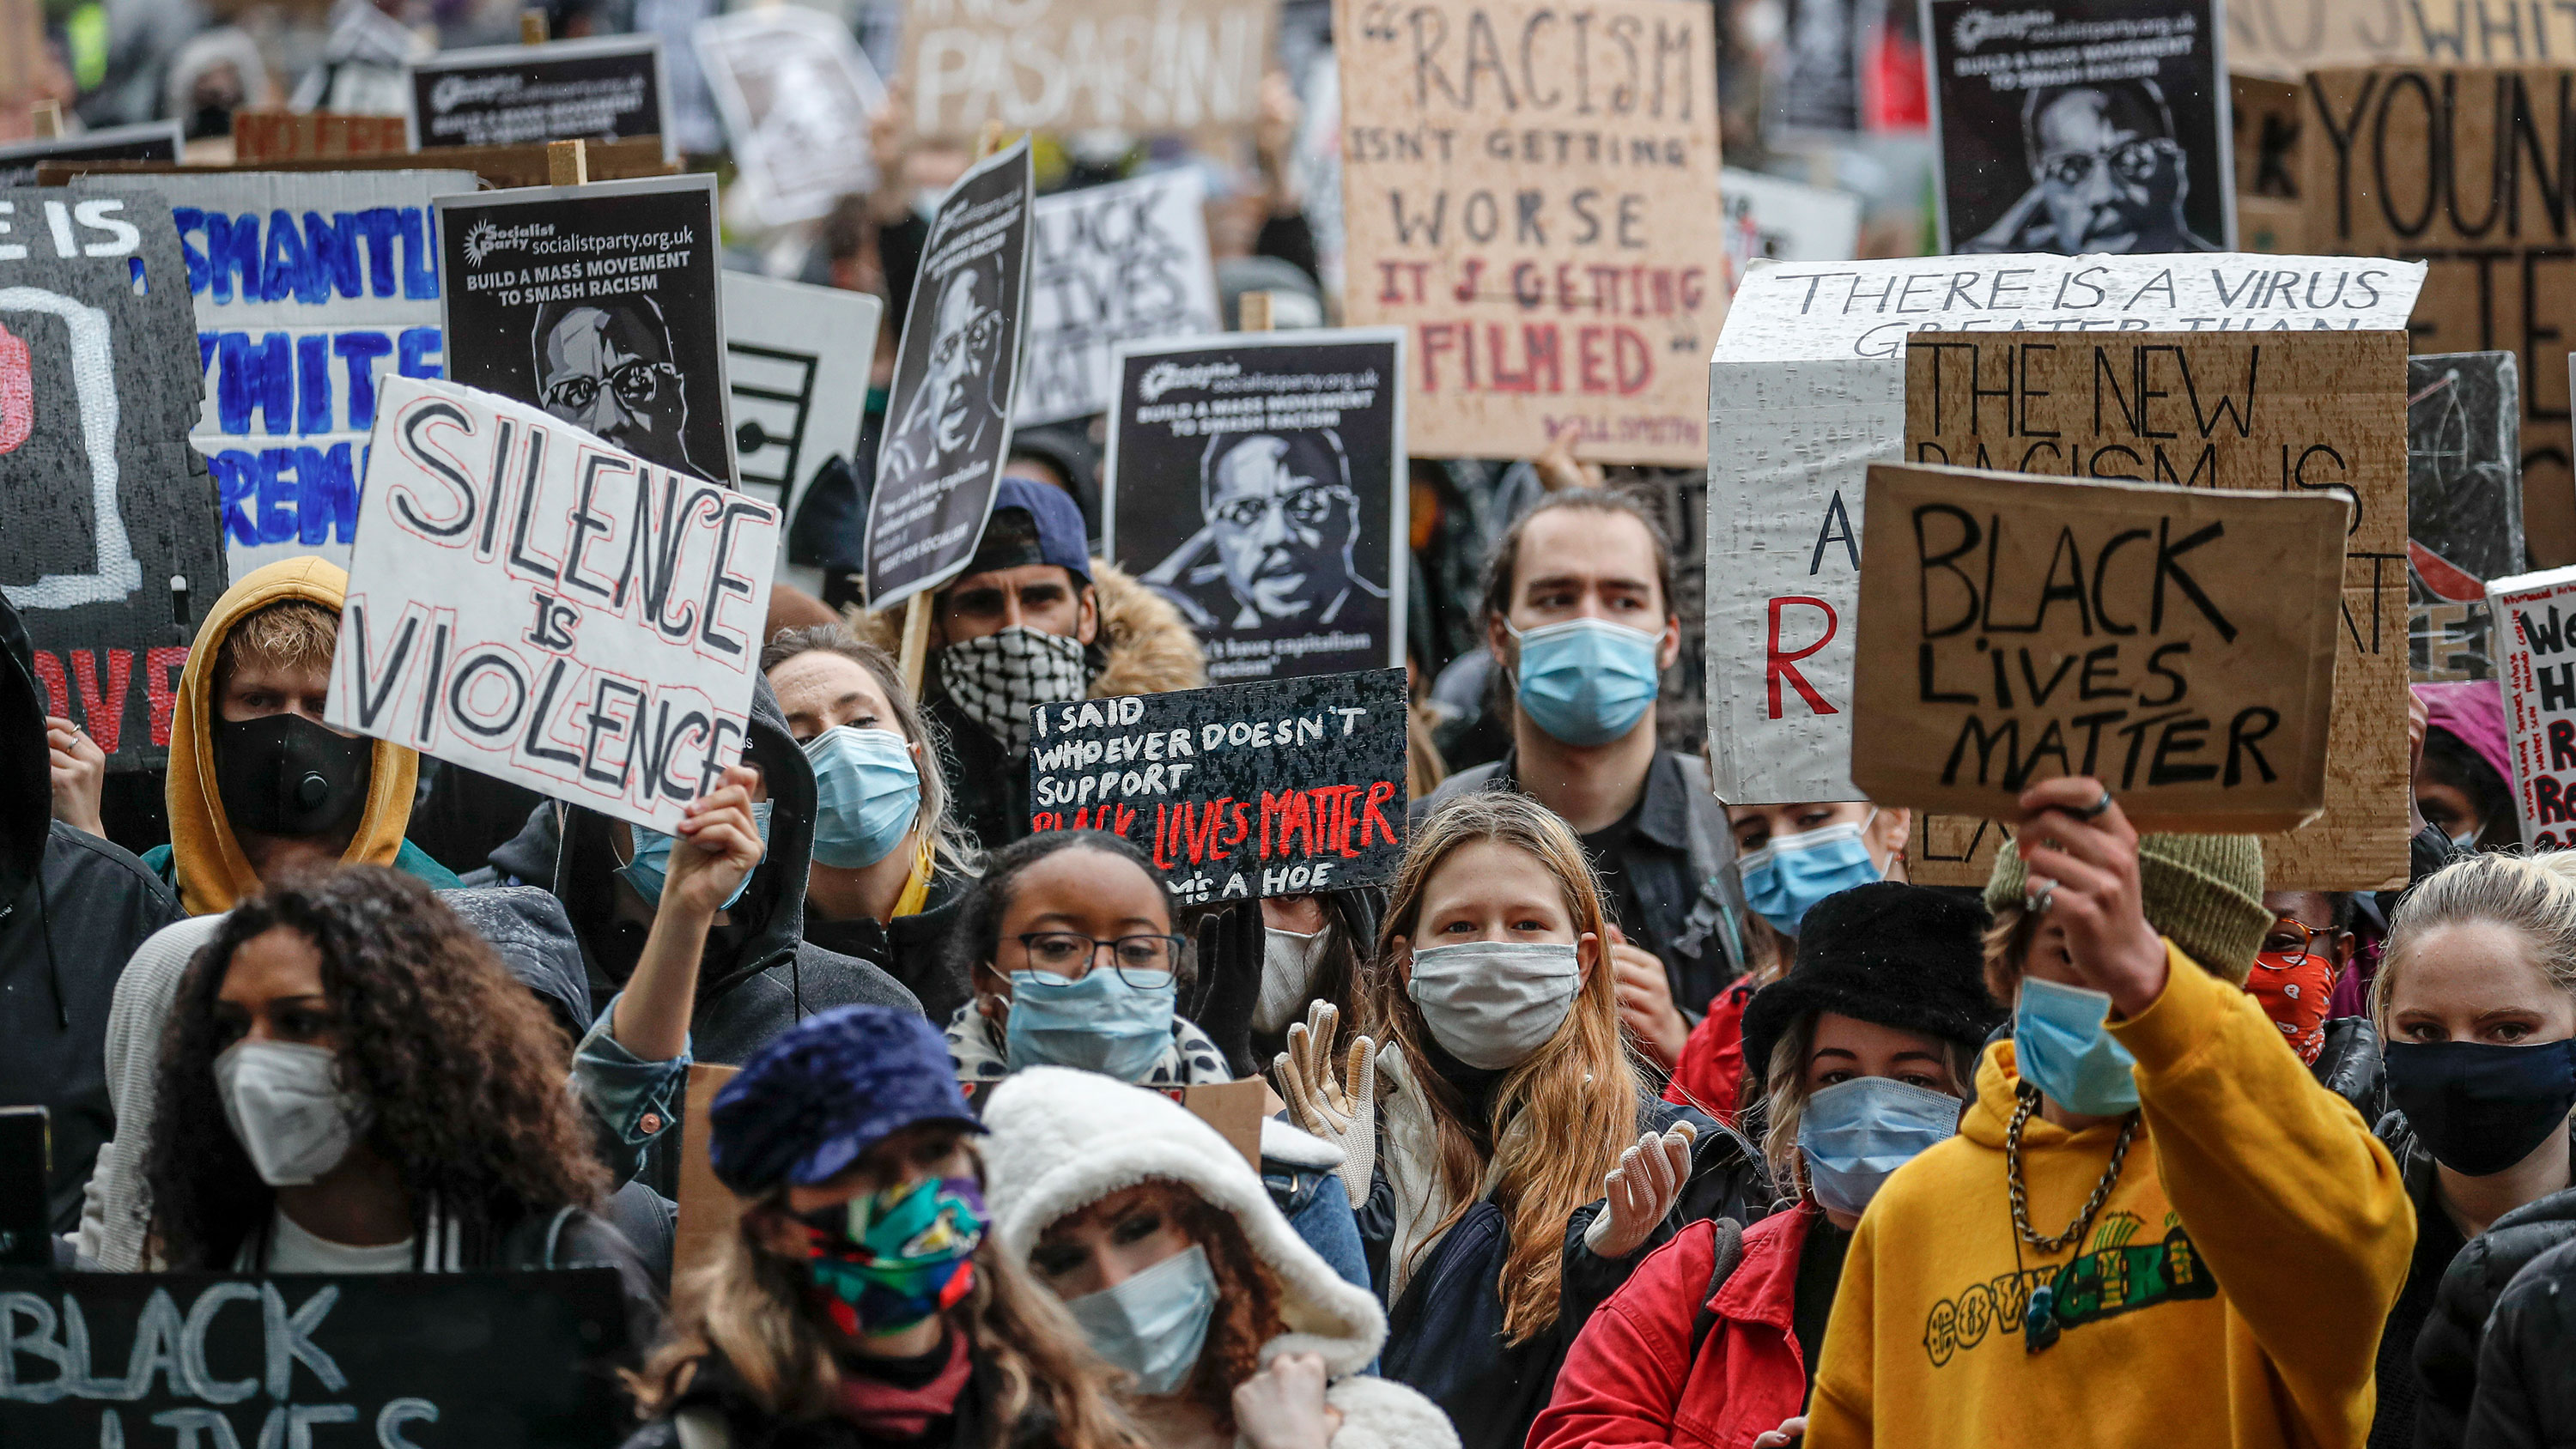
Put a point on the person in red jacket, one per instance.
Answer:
(1865, 1048)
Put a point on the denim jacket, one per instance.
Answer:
(635, 1101)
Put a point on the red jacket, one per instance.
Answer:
(1631, 1377)
(1710, 1074)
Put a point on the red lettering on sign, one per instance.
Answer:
(1779, 663)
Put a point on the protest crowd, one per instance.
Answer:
(1094, 724)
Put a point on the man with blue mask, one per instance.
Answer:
(1579, 617)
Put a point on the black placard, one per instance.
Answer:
(1278, 788)
(956, 379)
(609, 88)
(2100, 126)
(2463, 506)
(26, 1165)
(1257, 482)
(152, 141)
(496, 1360)
(600, 304)
(104, 509)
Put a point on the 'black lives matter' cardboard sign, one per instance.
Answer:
(2270, 412)
(2463, 507)
(2176, 643)
(600, 304)
(108, 542)
(499, 1360)
(1241, 791)
(956, 380)
(606, 88)
(1257, 482)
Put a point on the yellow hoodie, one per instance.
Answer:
(210, 869)
(2230, 1293)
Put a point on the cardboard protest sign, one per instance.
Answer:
(108, 542)
(315, 135)
(2536, 638)
(1148, 66)
(2285, 39)
(1257, 481)
(796, 359)
(2278, 413)
(501, 167)
(2099, 127)
(2463, 507)
(605, 88)
(795, 93)
(310, 288)
(1539, 226)
(506, 1359)
(1809, 382)
(956, 379)
(529, 602)
(2459, 167)
(2176, 643)
(1108, 264)
(599, 304)
(1239, 791)
(152, 141)
(1785, 221)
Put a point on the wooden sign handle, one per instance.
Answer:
(47, 118)
(567, 162)
(532, 27)
(1252, 312)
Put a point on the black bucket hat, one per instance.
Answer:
(1902, 956)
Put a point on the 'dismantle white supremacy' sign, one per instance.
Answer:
(527, 601)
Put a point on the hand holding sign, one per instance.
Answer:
(2084, 883)
(722, 846)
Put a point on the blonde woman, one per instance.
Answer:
(1504, 1100)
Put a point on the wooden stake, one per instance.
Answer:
(990, 141)
(532, 27)
(1252, 312)
(567, 163)
(47, 118)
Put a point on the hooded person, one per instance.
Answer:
(258, 784)
(1034, 619)
(73, 908)
(2464, 779)
(1169, 1252)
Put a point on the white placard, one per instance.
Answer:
(1110, 264)
(796, 365)
(2535, 638)
(527, 601)
(1785, 221)
(796, 93)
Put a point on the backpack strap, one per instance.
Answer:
(1728, 1243)
(1719, 904)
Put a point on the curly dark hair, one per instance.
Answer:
(1247, 1306)
(461, 1066)
(976, 940)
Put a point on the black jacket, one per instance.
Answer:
(716, 1394)
(2526, 1396)
(911, 949)
(2447, 1352)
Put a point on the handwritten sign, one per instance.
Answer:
(2536, 628)
(2296, 412)
(1235, 792)
(604, 88)
(1530, 191)
(512, 1360)
(2178, 644)
(2459, 167)
(1071, 65)
(2463, 507)
(1110, 264)
(527, 601)
(796, 93)
(2285, 39)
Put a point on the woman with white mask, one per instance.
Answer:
(1867, 1045)
(1504, 1100)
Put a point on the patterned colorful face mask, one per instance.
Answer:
(885, 1261)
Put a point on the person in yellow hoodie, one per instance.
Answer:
(258, 784)
(2154, 1227)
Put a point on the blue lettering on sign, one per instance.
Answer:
(290, 384)
(281, 255)
(304, 494)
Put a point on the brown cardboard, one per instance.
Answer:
(1140, 66)
(267, 136)
(1234, 1109)
(1530, 191)
(2478, 196)
(2326, 412)
(2285, 39)
(708, 1209)
(501, 167)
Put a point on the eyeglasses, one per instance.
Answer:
(2290, 940)
(1144, 962)
(637, 382)
(2132, 161)
(978, 335)
(1305, 508)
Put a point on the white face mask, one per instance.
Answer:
(1287, 972)
(287, 1109)
(1493, 1004)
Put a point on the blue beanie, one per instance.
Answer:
(827, 1089)
(1047, 530)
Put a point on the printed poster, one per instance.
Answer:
(795, 92)
(605, 88)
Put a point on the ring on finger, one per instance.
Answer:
(2094, 811)
(2037, 901)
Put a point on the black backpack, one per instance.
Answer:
(1729, 1251)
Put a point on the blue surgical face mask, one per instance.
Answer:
(2467, 840)
(1154, 1324)
(1587, 681)
(1855, 1133)
(2061, 1046)
(1098, 1024)
(1784, 879)
(867, 792)
(652, 860)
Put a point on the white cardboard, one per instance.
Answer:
(1786, 221)
(522, 603)
(2535, 637)
(795, 92)
(1110, 264)
(796, 363)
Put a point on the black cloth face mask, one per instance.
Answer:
(282, 774)
(2478, 1107)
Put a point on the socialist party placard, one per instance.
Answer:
(604, 88)
(600, 304)
(1257, 481)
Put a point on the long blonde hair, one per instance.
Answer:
(1561, 1118)
(2535, 895)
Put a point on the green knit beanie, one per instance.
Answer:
(2204, 893)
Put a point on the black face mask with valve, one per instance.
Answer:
(282, 774)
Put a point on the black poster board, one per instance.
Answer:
(151, 141)
(1244, 790)
(601, 304)
(2101, 126)
(1257, 481)
(498, 1360)
(2463, 507)
(956, 380)
(109, 544)
(608, 88)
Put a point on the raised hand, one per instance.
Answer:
(79, 775)
(1283, 1407)
(1341, 1111)
(1642, 1190)
(2082, 855)
(1231, 955)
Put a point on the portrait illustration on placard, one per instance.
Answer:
(2106, 175)
(955, 414)
(605, 366)
(1279, 522)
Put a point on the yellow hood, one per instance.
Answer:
(209, 865)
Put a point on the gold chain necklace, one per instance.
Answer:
(2039, 1320)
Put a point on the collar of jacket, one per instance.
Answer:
(1764, 1286)
(1665, 816)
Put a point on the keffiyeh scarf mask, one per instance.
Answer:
(1000, 677)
